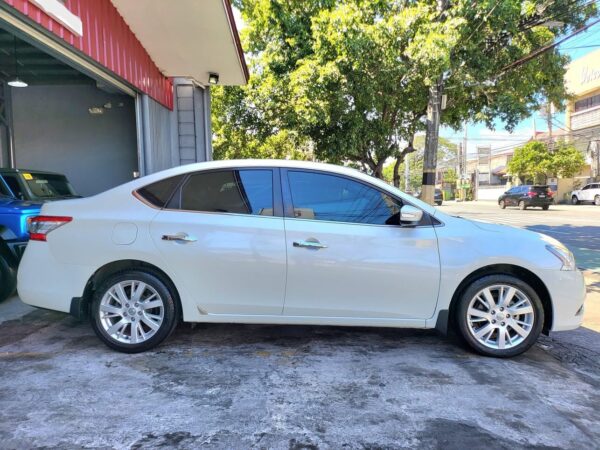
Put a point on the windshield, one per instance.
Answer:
(46, 186)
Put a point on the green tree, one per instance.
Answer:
(566, 161)
(532, 160)
(347, 81)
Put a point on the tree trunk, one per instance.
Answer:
(397, 171)
(431, 142)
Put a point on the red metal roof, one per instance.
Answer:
(107, 40)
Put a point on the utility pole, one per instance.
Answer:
(431, 141)
(407, 173)
(434, 108)
(549, 122)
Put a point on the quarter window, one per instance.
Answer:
(328, 197)
(228, 191)
(159, 193)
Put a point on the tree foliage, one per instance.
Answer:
(534, 160)
(346, 81)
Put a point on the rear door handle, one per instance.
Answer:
(179, 237)
(309, 244)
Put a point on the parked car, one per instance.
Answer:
(438, 196)
(290, 242)
(526, 196)
(589, 193)
(35, 185)
(21, 195)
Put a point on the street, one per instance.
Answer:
(305, 387)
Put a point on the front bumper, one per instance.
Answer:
(567, 292)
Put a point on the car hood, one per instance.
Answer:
(12, 206)
(514, 232)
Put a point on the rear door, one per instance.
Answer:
(222, 233)
(347, 254)
(586, 193)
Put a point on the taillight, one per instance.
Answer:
(531, 194)
(550, 193)
(40, 226)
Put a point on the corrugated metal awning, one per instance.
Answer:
(188, 38)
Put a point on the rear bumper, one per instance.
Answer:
(45, 282)
(567, 292)
(539, 201)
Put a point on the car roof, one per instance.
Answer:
(11, 170)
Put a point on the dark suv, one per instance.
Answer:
(526, 196)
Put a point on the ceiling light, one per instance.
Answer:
(17, 82)
(213, 78)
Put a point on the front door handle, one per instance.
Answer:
(179, 237)
(313, 244)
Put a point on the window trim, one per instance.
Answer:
(276, 186)
(288, 206)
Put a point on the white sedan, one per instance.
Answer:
(286, 242)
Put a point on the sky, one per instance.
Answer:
(478, 134)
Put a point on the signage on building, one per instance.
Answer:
(589, 74)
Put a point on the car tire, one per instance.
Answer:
(501, 334)
(597, 200)
(438, 203)
(546, 207)
(502, 204)
(522, 205)
(574, 200)
(133, 311)
(8, 279)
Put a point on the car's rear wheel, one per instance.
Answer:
(500, 315)
(574, 200)
(545, 207)
(522, 205)
(8, 279)
(502, 204)
(597, 200)
(133, 311)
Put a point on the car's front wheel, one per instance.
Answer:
(133, 311)
(502, 204)
(500, 315)
(597, 200)
(522, 205)
(574, 200)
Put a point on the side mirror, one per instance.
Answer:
(409, 215)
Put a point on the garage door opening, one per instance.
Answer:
(64, 121)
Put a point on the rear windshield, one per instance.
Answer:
(48, 186)
(538, 188)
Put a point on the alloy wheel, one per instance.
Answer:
(500, 316)
(131, 312)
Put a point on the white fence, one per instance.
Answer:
(490, 192)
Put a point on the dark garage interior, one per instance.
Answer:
(91, 137)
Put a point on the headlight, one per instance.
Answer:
(564, 255)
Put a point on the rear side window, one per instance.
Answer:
(15, 186)
(159, 193)
(328, 197)
(248, 191)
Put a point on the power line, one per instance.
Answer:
(544, 49)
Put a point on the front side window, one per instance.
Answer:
(227, 191)
(328, 197)
(586, 187)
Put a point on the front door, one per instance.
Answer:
(220, 235)
(347, 258)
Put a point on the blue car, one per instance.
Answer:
(22, 193)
